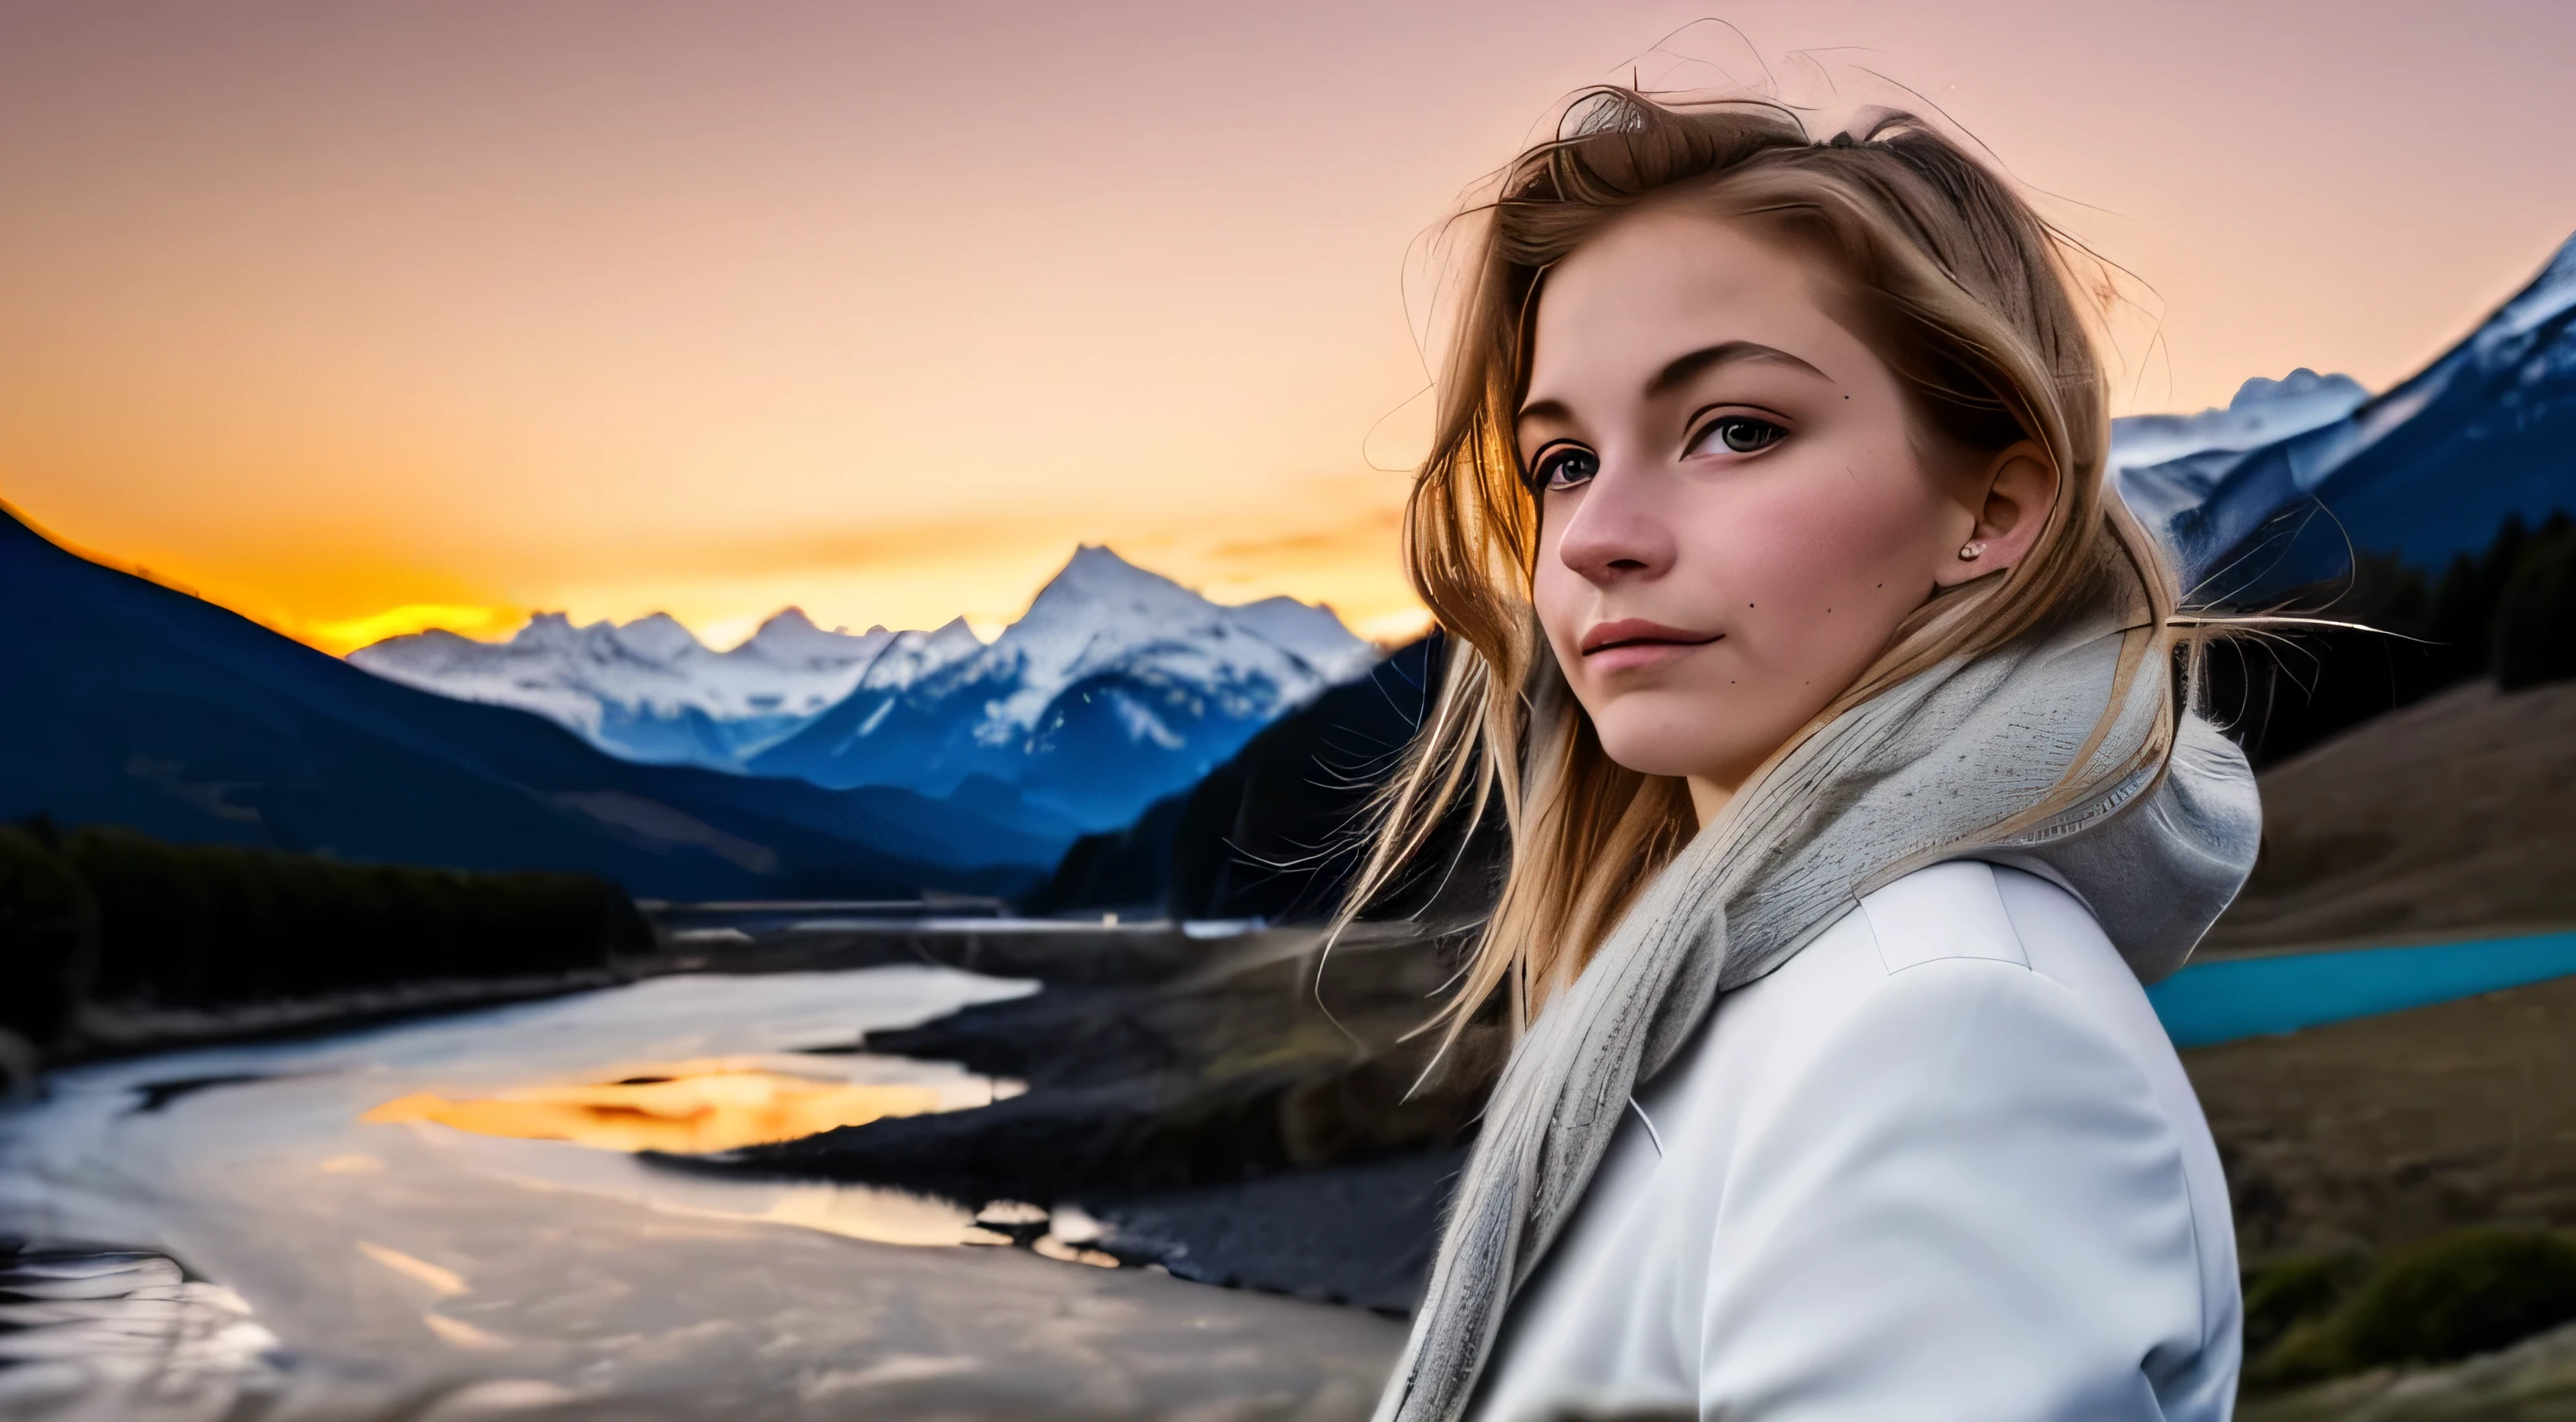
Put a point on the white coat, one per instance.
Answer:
(1941, 1164)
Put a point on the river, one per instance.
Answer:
(223, 1234)
(2259, 995)
(372, 1224)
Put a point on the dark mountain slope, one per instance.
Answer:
(2425, 472)
(124, 702)
(1277, 831)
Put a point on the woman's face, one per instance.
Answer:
(1734, 510)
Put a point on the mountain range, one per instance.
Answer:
(2160, 462)
(650, 691)
(131, 703)
(1118, 686)
(2427, 471)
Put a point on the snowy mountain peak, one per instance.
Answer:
(2549, 294)
(1096, 576)
(545, 629)
(1103, 616)
(2425, 471)
(1117, 686)
(657, 637)
(953, 636)
(650, 690)
(790, 639)
(2304, 386)
(1102, 609)
(906, 657)
(1101, 560)
(2264, 410)
(2165, 465)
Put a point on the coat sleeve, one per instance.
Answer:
(1966, 1205)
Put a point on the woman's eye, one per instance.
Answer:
(1564, 468)
(1738, 434)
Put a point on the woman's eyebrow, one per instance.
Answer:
(1544, 410)
(1681, 370)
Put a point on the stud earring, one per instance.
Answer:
(1971, 552)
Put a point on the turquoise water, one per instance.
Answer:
(2255, 997)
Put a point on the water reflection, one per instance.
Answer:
(72, 1320)
(340, 1269)
(704, 1105)
(690, 1108)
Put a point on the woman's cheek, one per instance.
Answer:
(1819, 567)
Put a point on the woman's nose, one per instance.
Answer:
(1617, 531)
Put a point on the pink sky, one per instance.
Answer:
(365, 317)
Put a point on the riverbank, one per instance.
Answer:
(1259, 1120)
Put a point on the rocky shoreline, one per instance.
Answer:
(1256, 1120)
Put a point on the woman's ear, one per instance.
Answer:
(2010, 498)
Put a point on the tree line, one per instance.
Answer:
(2508, 613)
(106, 914)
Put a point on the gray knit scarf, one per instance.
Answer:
(1922, 773)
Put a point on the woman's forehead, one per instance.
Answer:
(1662, 286)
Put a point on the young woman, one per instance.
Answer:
(1841, 720)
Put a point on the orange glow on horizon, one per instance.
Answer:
(342, 637)
(1346, 569)
(432, 316)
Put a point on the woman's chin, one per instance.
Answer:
(1658, 751)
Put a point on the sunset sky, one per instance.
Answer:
(364, 317)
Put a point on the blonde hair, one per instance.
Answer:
(1965, 292)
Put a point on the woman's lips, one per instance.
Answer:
(1636, 642)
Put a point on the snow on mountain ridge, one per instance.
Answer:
(2548, 295)
(2425, 471)
(1103, 613)
(658, 637)
(1105, 644)
(790, 639)
(2263, 410)
(909, 656)
(649, 690)
(651, 664)
(1116, 687)
(2165, 465)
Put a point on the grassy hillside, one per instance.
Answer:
(2450, 817)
